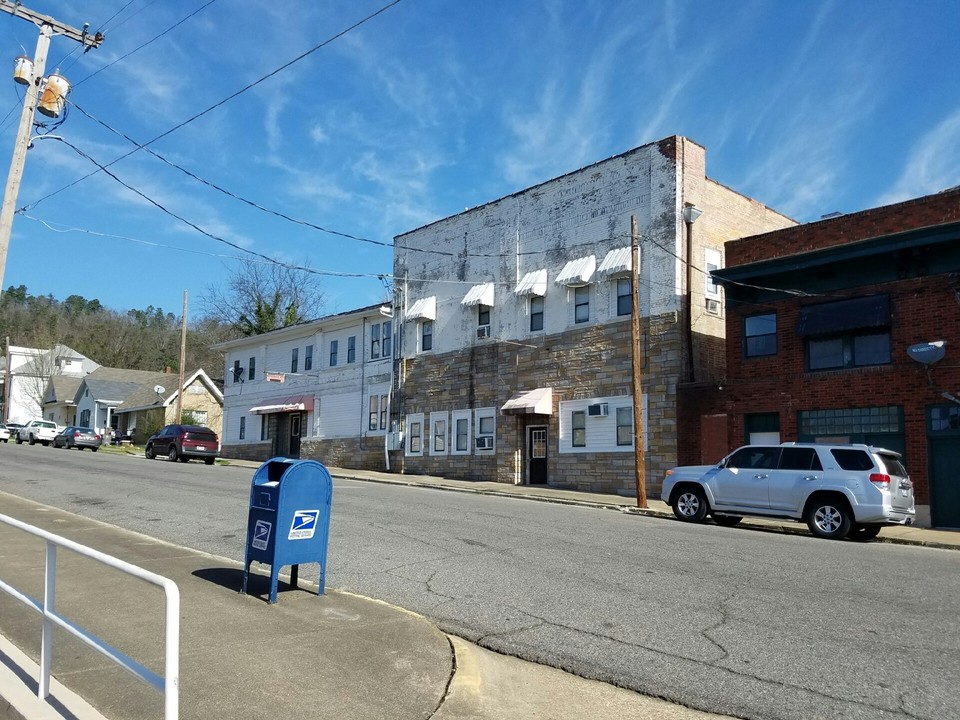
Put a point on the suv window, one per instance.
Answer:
(755, 458)
(892, 464)
(800, 458)
(850, 459)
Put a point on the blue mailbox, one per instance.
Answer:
(289, 519)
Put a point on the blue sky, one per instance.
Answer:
(434, 106)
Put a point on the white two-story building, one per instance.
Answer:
(319, 389)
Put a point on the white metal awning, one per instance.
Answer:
(617, 263)
(533, 284)
(531, 402)
(297, 403)
(577, 273)
(479, 295)
(423, 309)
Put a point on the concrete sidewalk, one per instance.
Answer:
(338, 656)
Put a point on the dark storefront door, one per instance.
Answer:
(295, 422)
(943, 424)
(537, 454)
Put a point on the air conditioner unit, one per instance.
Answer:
(598, 410)
(713, 306)
(485, 442)
(483, 332)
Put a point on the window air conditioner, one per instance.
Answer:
(713, 306)
(485, 442)
(598, 410)
(483, 332)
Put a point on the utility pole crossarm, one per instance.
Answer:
(81, 36)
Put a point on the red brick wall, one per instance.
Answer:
(923, 310)
(923, 212)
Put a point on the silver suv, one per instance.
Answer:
(838, 490)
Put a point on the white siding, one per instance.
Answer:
(601, 431)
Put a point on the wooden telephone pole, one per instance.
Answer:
(48, 27)
(639, 461)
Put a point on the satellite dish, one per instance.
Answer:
(159, 389)
(928, 353)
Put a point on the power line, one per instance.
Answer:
(231, 96)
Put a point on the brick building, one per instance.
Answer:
(835, 331)
(515, 340)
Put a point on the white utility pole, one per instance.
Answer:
(48, 27)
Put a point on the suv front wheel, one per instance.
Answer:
(829, 518)
(690, 504)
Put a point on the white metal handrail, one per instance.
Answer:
(168, 683)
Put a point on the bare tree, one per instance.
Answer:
(260, 297)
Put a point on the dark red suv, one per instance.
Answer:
(182, 442)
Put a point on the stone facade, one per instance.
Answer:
(467, 293)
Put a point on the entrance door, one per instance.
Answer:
(537, 454)
(943, 427)
(295, 421)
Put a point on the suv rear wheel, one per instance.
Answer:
(690, 504)
(829, 518)
(172, 454)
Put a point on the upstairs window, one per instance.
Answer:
(237, 372)
(351, 349)
(387, 334)
(252, 369)
(334, 350)
(581, 304)
(760, 335)
(294, 358)
(536, 314)
(308, 358)
(846, 333)
(426, 335)
(374, 341)
(624, 301)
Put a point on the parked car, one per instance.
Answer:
(4, 432)
(37, 431)
(183, 442)
(73, 436)
(838, 490)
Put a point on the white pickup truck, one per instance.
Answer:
(37, 431)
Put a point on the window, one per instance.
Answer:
(377, 419)
(762, 428)
(308, 358)
(426, 335)
(711, 262)
(374, 341)
(858, 422)
(334, 347)
(483, 314)
(294, 358)
(416, 442)
(85, 418)
(243, 428)
(463, 435)
(799, 458)
(581, 304)
(624, 426)
(755, 458)
(624, 301)
(578, 423)
(351, 349)
(237, 372)
(760, 335)
(387, 339)
(439, 437)
(252, 369)
(852, 459)
(536, 314)
(199, 416)
(849, 350)
(460, 430)
(486, 429)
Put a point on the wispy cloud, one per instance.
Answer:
(933, 163)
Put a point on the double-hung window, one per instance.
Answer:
(581, 304)
(294, 358)
(426, 335)
(252, 369)
(578, 424)
(624, 301)
(536, 314)
(760, 335)
(374, 341)
(308, 358)
(334, 351)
